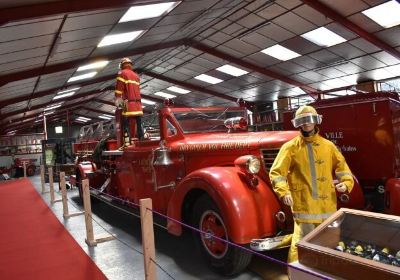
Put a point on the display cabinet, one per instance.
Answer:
(21, 144)
(354, 244)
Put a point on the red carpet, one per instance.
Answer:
(33, 242)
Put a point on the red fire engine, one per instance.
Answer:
(202, 167)
(366, 128)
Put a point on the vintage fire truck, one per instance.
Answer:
(200, 166)
(17, 168)
(366, 128)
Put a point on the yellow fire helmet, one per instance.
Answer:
(306, 114)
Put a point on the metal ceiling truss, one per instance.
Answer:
(63, 7)
(332, 14)
(81, 95)
(32, 120)
(49, 69)
(189, 86)
(206, 49)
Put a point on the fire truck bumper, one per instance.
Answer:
(271, 243)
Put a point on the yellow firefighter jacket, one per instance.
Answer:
(304, 168)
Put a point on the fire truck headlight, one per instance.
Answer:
(249, 164)
(253, 165)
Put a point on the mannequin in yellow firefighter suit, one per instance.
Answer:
(301, 176)
(127, 97)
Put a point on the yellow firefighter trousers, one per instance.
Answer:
(300, 230)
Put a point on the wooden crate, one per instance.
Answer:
(317, 249)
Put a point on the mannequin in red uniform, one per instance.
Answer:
(127, 97)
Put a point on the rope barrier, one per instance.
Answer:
(137, 206)
(120, 240)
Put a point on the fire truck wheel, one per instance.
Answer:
(224, 258)
(30, 171)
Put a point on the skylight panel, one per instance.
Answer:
(208, 79)
(148, 11)
(95, 65)
(119, 38)
(58, 96)
(68, 90)
(54, 106)
(106, 117)
(149, 102)
(165, 95)
(280, 52)
(178, 90)
(323, 37)
(232, 70)
(82, 77)
(83, 119)
(66, 93)
(386, 14)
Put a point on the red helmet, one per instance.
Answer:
(125, 60)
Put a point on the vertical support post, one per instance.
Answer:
(64, 195)
(24, 164)
(42, 177)
(146, 219)
(51, 183)
(88, 214)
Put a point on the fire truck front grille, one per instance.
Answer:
(268, 156)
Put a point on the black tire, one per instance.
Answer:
(222, 257)
(30, 171)
(79, 185)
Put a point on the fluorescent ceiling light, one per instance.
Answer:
(119, 38)
(386, 14)
(81, 77)
(208, 79)
(280, 52)
(178, 90)
(106, 117)
(323, 37)
(165, 95)
(11, 132)
(148, 11)
(49, 113)
(232, 70)
(95, 65)
(146, 101)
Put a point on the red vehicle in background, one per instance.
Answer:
(199, 166)
(366, 128)
(17, 168)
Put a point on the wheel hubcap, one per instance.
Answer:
(212, 224)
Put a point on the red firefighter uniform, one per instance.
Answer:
(127, 88)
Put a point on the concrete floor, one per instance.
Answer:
(121, 259)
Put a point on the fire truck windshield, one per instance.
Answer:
(207, 120)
